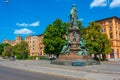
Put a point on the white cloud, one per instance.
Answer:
(97, 3)
(81, 19)
(37, 23)
(23, 31)
(22, 24)
(115, 3)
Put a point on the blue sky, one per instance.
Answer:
(31, 17)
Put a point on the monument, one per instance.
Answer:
(75, 51)
(75, 45)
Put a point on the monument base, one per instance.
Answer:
(73, 56)
(74, 60)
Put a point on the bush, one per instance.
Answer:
(41, 57)
(32, 57)
(19, 57)
(3, 54)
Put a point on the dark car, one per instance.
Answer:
(12, 58)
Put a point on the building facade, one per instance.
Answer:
(36, 46)
(41, 45)
(111, 27)
(13, 42)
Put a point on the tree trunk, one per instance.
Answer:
(103, 57)
(95, 56)
(57, 55)
(99, 57)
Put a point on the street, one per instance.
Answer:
(18, 74)
(39, 70)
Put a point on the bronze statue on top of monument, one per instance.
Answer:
(73, 17)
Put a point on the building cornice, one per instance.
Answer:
(108, 19)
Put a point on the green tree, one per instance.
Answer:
(2, 45)
(54, 37)
(80, 25)
(8, 51)
(97, 42)
(21, 50)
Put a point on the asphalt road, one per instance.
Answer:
(18, 74)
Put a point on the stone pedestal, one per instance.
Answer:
(74, 38)
(74, 60)
(73, 56)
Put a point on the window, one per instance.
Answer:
(110, 28)
(117, 35)
(110, 22)
(33, 49)
(119, 22)
(103, 30)
(111, 35)
(33, 45)
(118, 53)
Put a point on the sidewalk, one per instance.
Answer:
(105, 67)
(45, 67)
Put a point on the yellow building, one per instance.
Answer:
(41, 45)
(35, 45)
(111, 26)
(18, 39)
(13, 42)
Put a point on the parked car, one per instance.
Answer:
(12, 58)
